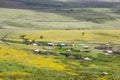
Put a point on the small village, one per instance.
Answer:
(66, 49)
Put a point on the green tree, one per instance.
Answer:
(22, 36)
(25, 40)
(83, 33)
(41, 37)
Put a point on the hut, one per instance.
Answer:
(109, 51)
(87, 59)
(37, 51)
(34, 44)
(86, 47)
(63, 44)
(116, 52)
(51, 44)
(103, 47)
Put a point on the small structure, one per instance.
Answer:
(116, 52)
(104, 47)
(51, 44)
(62, 44)
(109, 52)
(48, 48)
(1, 41)
(68, 50)
(86, 51)
(40, 52)
(86, 47)
(87, 59)
(71, 57)
(105, 73)
(37, 51)
(34, 44)
(81, 44)
(116, 49)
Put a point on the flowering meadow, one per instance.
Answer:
(66, 35)
(19, 62)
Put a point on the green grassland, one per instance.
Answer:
(18, 61)
(76, 18)
(66, 25)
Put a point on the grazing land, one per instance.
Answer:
(59, 40)
(95, 36)
(78, 19)
(19, 61)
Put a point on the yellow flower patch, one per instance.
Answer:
(29, 59)
(71, 35)
(1, 78)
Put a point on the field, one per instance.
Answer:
(23, 31)
(18, 61)
(95, 36)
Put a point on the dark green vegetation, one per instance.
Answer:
(58, 3)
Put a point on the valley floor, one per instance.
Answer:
(19, 62)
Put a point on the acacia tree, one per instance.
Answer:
(25, 40)
(22, 36)
(83, 33)
(41, 37)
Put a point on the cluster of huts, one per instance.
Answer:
(53, 44)
(40, 52)
(107, 48)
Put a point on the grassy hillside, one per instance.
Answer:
(57, 14)
(73, 18)
(58, 3)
